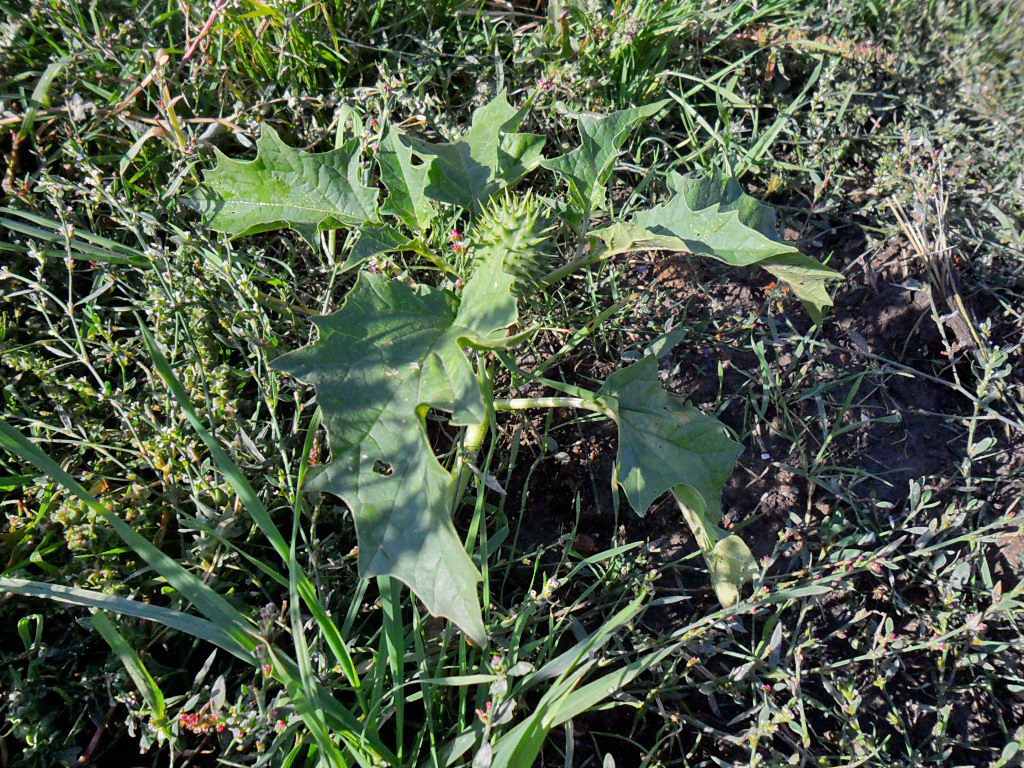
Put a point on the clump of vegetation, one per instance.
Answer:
(398, 348)
(564, 214)
(395, 350)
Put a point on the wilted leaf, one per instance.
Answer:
(730, 562)
(286, 187)
(488, 157)
(588, 167)
(713, 217)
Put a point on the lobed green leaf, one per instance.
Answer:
(406, 182)
(491, 155)
(666, 444)
(588, 168)
(391, 353)
(713, 217)
(287, 187)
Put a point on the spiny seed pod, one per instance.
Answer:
(514, 226)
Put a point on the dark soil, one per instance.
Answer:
(882, 327)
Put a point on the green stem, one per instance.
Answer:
(332, 235)
(473, 439)
(522, 403)
(471, 444)
(418, 246)
(569, 389)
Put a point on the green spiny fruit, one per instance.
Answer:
(513, 226)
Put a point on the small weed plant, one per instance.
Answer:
(399, 347)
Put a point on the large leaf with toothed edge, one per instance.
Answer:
(287, 187)
(387, 356)
(713, 217)
(406, 182)
(588, 167)
(490, 155)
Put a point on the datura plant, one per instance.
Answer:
(402, 345)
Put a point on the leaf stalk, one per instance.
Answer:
(523, 403)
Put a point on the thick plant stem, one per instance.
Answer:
(473, 439)
(596, 254)
(471, 444)
(582, 257)
(332, 235)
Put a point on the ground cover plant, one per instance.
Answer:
(394, 351)
(665, 490)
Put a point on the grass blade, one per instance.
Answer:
(256, 508)
(212, 605)
(168, 617)
(144, 681)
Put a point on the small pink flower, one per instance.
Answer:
(485, 714)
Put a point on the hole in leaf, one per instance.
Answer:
(440, 433)
(382, 468)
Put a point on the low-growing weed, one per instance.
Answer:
(539, 309)
(400, 348)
